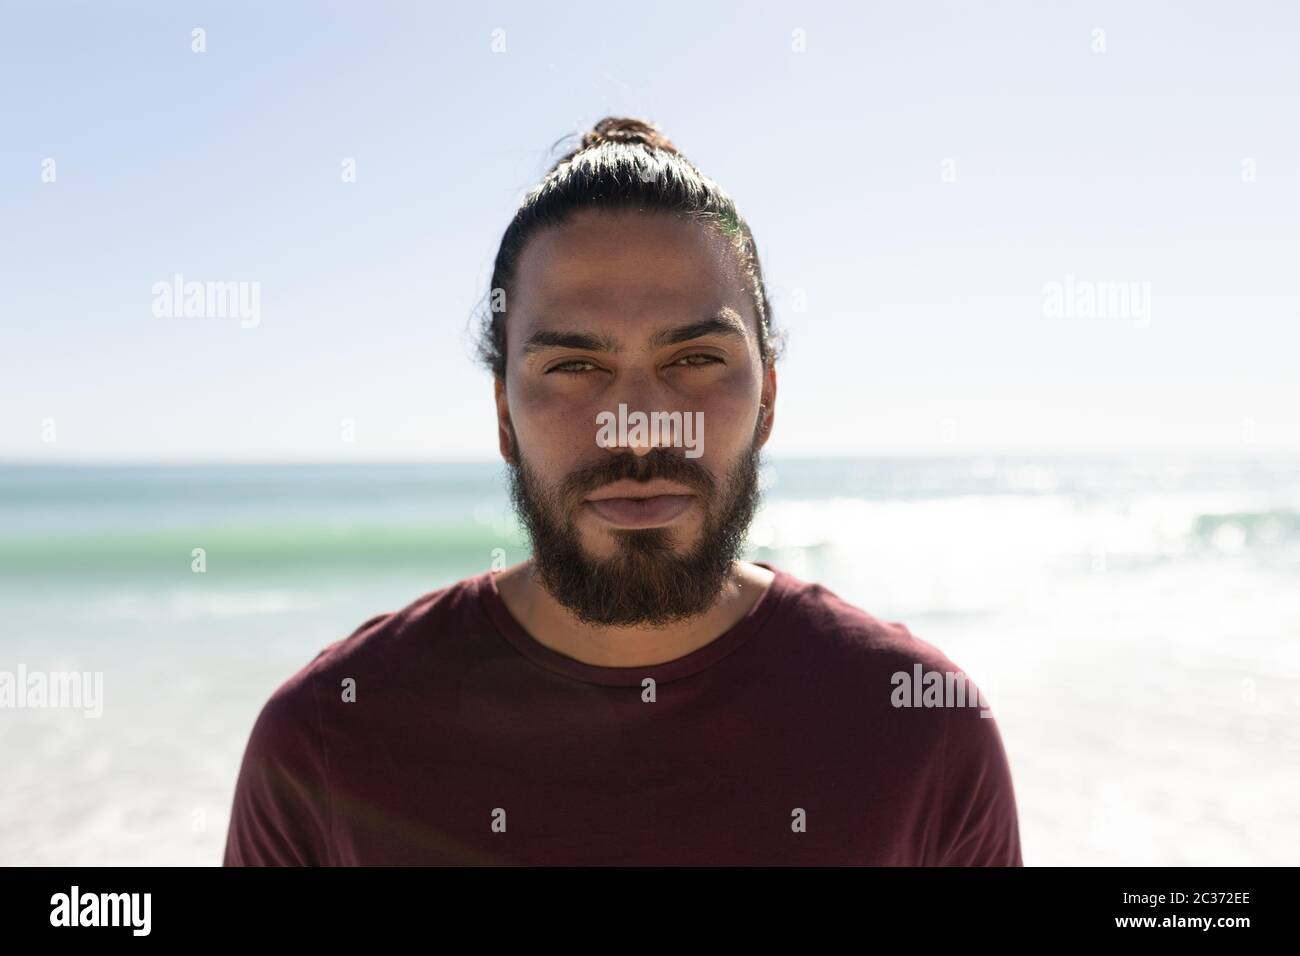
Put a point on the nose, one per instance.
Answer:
(643, 395)
(640, 442)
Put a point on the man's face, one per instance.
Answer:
(649, 312)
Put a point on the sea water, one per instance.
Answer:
(1134, 623)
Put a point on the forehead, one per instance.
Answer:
(629, 269)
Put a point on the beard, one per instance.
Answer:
(646, 583)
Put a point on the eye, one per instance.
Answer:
(563, 367)
(708, 360)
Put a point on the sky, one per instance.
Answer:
(938, 190)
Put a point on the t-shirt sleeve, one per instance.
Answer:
(280, 813)
(979, 824)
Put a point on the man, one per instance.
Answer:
(632, 693)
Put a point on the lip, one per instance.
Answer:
(647, 512)
(638, 489)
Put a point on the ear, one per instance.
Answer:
(503, 420)
(767, 408)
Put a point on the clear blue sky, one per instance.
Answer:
(924, 329)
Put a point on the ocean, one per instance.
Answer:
(1134, 623)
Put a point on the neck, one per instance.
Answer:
(552, 625)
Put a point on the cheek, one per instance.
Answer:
(553, 426)
(541, 399)
(730, 413)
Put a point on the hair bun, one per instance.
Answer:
(626, 129)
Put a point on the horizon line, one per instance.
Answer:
(1234, 454)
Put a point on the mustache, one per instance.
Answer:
(656, 464)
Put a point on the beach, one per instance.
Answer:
(1135, 625)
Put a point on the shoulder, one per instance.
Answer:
(909, 698)
(878, 673)
(849, 634)
(290, 721)
(386, 643)
(386, 639)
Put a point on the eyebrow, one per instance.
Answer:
(724, 323)
(587, 341)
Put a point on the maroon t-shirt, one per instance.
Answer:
(443, 733)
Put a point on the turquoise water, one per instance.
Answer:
(137, 523)
(1135, 623)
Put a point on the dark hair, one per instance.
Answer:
(621, 163)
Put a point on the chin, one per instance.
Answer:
(605, 543)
